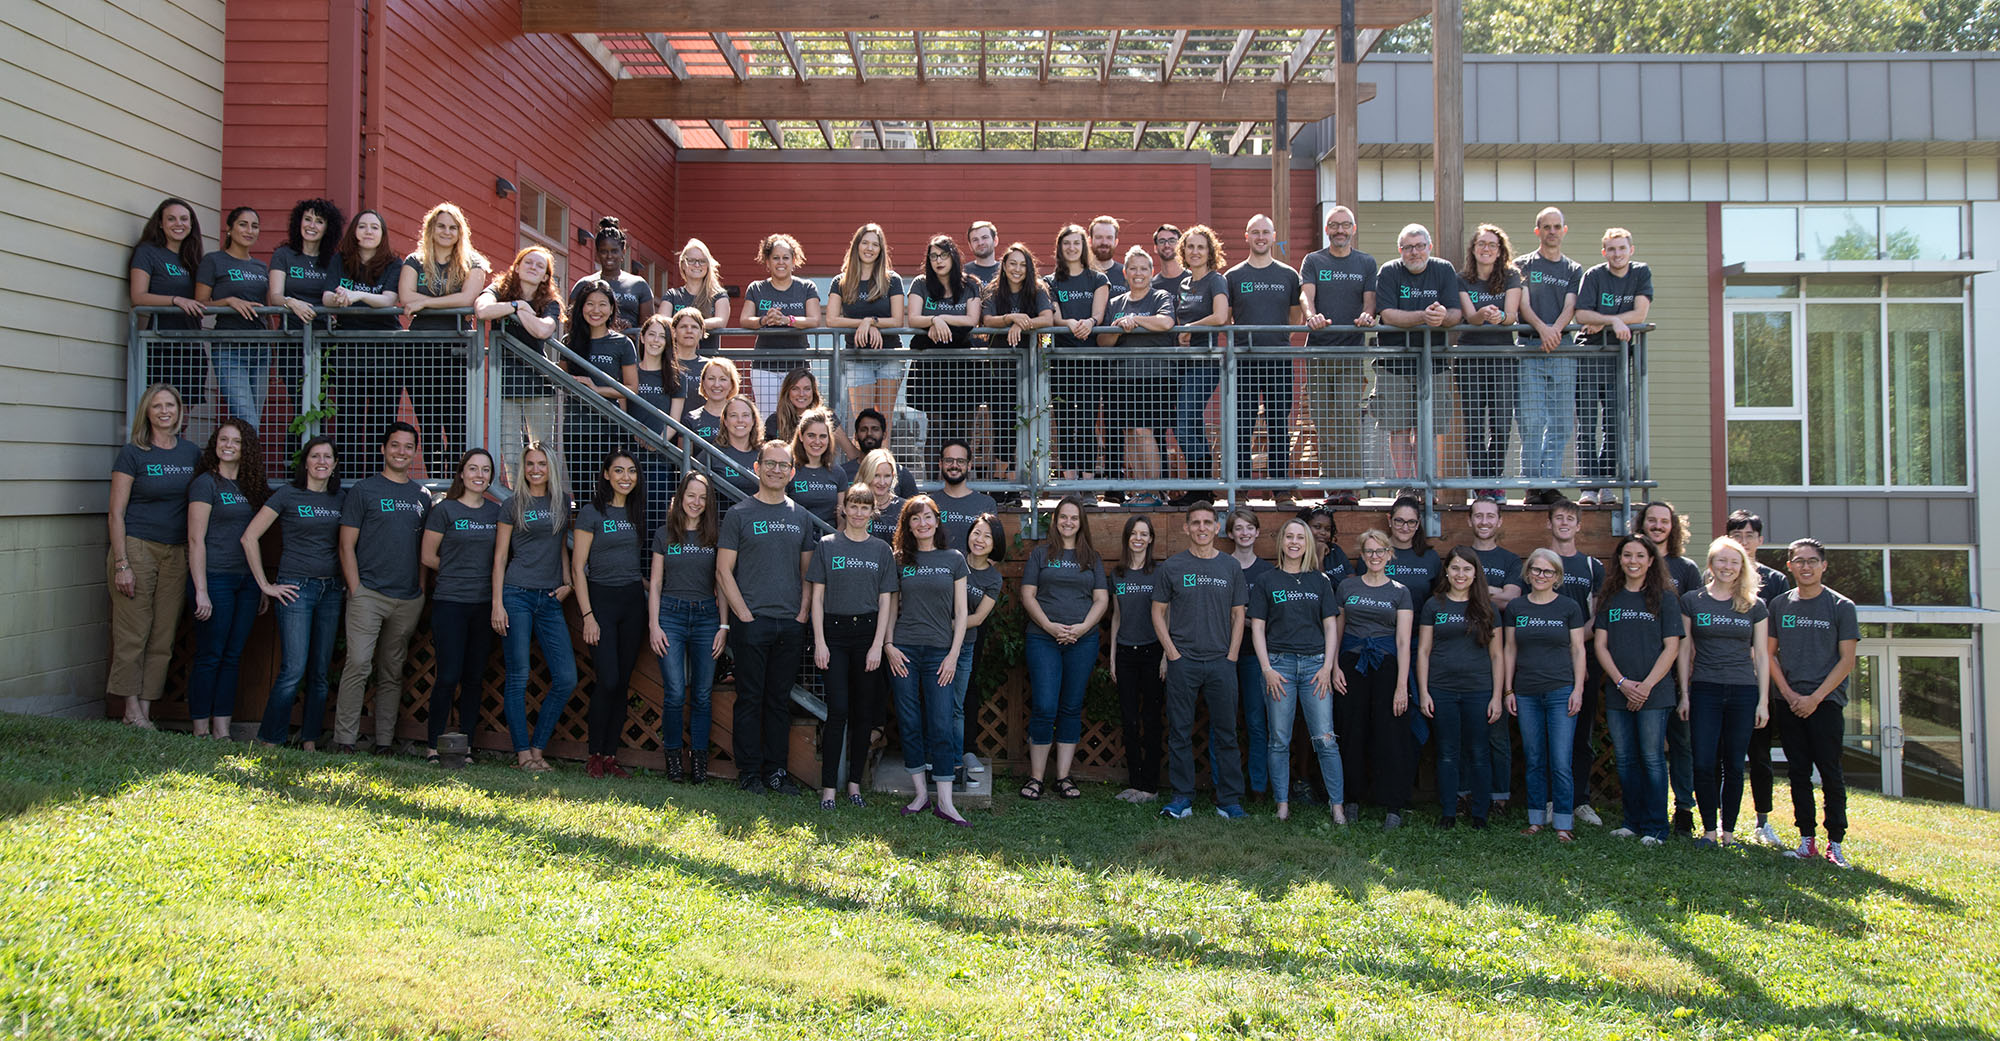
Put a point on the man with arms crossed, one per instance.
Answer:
(1199, 599)
(1615, 296)
(760, 565)
(1337, 288)
(1547, 392)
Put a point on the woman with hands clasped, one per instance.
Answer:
(1063, 593)
(1295, 630)
(1725, 664)
(853, 577)
(1377, 748)
(925, 640)
(1544, 663)
(1637, 642)
(1459, 657)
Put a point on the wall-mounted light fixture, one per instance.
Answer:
(503, 187)
(583, 237)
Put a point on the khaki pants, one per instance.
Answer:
(142, 626)
(378, 634)
(1334, 388)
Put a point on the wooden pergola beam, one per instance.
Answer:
(630, 16)
(965, 99)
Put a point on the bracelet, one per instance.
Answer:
(123, 566)
(587, 614)
(722, 628)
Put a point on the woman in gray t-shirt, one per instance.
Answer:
(148, 559)
(1637, 642)
(1725, 664)
(923, 654)
(530, 583)
(458, 546)
(690, 623)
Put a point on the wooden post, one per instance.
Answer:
(1448, 120)
(1346, 108)
(1281, 178)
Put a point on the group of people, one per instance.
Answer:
(1141, 419)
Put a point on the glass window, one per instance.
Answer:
(1760, 290)
(1762, 363)
(1760, 233)
(1921, 232)
(1910, 631)
(1927, 393)
(1844, 286)
(1839, 232)
(1765, 452)
(1930, 578)
(1856, 573)
(1844, 393)
(1917, 285)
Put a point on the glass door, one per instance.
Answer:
(1864, 747)
(1927, 736)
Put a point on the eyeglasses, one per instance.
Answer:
(1545, 572)
(1403, 522)
(1375, 551)
(775, 464)
(695, 261)
(1415, 247)
(934, 255)
(1342, 224)
(1807, 561)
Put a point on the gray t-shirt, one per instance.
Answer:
(1502, 567)
(1459, 663)
(955, 516)
(157, 508)
(465, 552)
(1397, 288)
(687, 568)
(1542, 662)
(537, 546)
(1609, 294)
(166, 275)
(1722, 637)
(790, 300)
(855, 573)
(1133, 592)
(887, 514)
(1809, 632)
(1546, 283)
(309, 522)
(1770, 583)
(674, 299)
(1263, 296)
(1156, 302)
(768, 539)
(1635, 634)
(390, 519)
(1686, 574)
(737, 466)
(1477, 291)
(817, 488)
(614, 545)
(228, 278)
(658, 388)
(924, 598)
(307, 277)
(1074, 296)
(1582, 577)
(1199, 595)
(1194, 300)
(229, 514)
(1063, 589)
(1369, 612)
(1418, 571)
(610, 354)
(981, 584)
(863, 307)
(1338, 284)
(1294, 607)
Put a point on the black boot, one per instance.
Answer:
(698, 768)
(676, 766)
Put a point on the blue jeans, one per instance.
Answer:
(1547, 733)
(1297, 671)
(924, 714)
(687, 670)
(1547, 414)
(1460, 714)
(535, 614)
(1639, 738)
(1256, 719)
(1198, 382)
(961, 683)
(218, 644)
(306, 629)
(244, 376)
(1058, 675)
(1720, 718)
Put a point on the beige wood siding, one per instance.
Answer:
(105, 108)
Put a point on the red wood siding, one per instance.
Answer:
(274, 110)
(467, 98)
(731, 205)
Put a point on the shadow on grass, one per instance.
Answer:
(57, 761)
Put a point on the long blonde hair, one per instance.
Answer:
(849, 283)
(457, 265)
(142, 424)
(711, 283)
(1748, 585)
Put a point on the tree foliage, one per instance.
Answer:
(1715, 27)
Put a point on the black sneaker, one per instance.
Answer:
(1684, 822)
(781, 783)
(749, 783)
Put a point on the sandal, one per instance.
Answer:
(1532, 829)
(855, 799)
(826, 804)
(1068, 789)
(1032, 791)
(431, 757)
(1565, 836)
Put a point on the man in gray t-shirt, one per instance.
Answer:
(760, 563)
(958, 505)
(1337, 287)
(381, 533)
(1814, 635)
(1198, 604)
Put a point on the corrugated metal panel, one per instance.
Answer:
(1743, 116)
(1578, 90)
(1954, 104)
(1500, 117)
(1701, 102)
(1868, 102)
(459, 117)
(1541, 104)
(1826, 102)
(1619, 118)
(1784, 101)
(1660, 101)
(1866, 519)
(1910, 101)
(1985, 84)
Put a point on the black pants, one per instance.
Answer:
(1378, 753)
(1270, 381)
(620, 613)
(1488, 391)
(1814, 742)
(1760, 760)
(462, 635)
(853, 696)
(766, 655)
(1142, 706)
(1583, 750)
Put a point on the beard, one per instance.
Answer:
(1104, 253)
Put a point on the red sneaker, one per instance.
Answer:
(612, 768)
(595, 767)
(1808, 849)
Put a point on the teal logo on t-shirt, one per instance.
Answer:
(1121, 589)
(798, 486)
(1606, 300)
(839, 563)
(910, 572)
(305, 511)
(229, 499)
(296, 271)
(155, 470)
(1188, 581)
(1325, 275)
(1442, 618)
(1534, 278)
(610, 526)
(1788, 621)
(1701, 619)
(760, 527)
(461, 524)
(1405, 292)
(673, 549)
(388, 505)
(175, 269)
(1521, 621)
(531, 516)
(1616, 613)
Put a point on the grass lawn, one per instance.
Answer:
(153, 886)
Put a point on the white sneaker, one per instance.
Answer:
(1651, 841)
(1589, 816)
(973, 765)
(1765, 836)
(1624, 833)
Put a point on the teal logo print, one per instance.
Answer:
(1121, 589)
(674, 550)
(305, 511)
(1617, 613)
(1606, 300)
(760, 527)
(1788, 621)
(388, 505)
(610, 526)
(798, 486)
(909, 572)
(1534, 278)
(461, 524)
(1701, 619)
(1521, 622)
(1325, 276)
(1442, 618)
(155, 470)
(1405, 292)
(1187, 581)
(839, 563)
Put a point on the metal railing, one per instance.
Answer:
(1216, 416)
